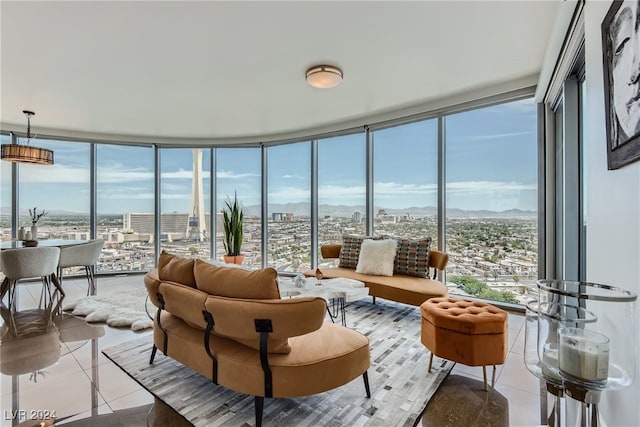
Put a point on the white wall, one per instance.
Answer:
(613, 214)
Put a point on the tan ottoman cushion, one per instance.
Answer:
(470, 332)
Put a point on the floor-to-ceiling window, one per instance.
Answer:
(239, 173)
(125, 207)
(405, 175)
(61, 190)
(569, 180)
(57, 198)
(583, 177)
(387, 180)
(341, 188)
(289, 206)
(185, 201)
(5, 194)
(491, 201)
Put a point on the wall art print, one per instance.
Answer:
(621, 63)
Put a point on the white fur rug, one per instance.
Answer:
(117, 309)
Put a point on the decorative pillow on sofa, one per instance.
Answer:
(377, 257)
(176, 269)
(236, 282)
(350, 250)
(412, 257)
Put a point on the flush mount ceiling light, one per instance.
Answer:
(324, 76)
(27, 153)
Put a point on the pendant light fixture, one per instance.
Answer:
(27, 153)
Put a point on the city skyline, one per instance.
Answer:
(341, 211)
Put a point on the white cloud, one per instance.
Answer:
(173, 188)
(289, 195)
(182, 196)
(487, 186)
(56, 174)
(497, 136)
(335, 191)
(394, 188)
(114, 174)
(183, 174)
(232, 175)
(127, 196)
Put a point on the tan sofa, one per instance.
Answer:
(231, 326)
(401, 288)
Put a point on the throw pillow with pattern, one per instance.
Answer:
(412, 257)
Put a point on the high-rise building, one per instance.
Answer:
(196, 226)
(143, 223)
(356, 217)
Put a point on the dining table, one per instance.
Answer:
(17, 244)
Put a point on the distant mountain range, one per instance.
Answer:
(4, 210)
(345, 211)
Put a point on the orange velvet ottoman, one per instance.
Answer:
(473, 333)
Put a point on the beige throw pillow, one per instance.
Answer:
(176, 269)
(377, 257)
(236, 282)
(350, 250)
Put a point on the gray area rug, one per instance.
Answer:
(400, 384)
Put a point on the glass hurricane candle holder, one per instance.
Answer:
(615, 309)
(553, 316)
(554, 385)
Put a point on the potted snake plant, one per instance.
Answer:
(232, 218)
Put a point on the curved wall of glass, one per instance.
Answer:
(384, 179)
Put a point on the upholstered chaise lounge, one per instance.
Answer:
(231, 326)
(404, 288)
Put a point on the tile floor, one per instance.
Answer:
(64, 373)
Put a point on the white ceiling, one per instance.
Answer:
(212, 69)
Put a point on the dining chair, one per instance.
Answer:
(28, 263)
(82, 255)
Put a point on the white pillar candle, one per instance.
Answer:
(584, 354)
(550, 361)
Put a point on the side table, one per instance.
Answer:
(337, 292)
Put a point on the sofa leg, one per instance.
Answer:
(374, 299)
(153, 354)
(365, 376)
(430, 361)
(259, 406)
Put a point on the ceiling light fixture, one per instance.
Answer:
(324, 76)
(27, 153)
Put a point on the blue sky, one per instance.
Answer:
(491, 164)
